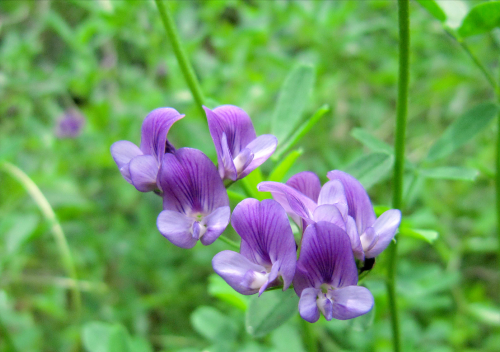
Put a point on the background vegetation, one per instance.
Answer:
(112, 61)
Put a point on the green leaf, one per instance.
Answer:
(270, 311)
(213, 325)
(371, 142)
(235, 196)
(486, 314)
(95, 336)
(287, 339)
(428, 236)
(119, 339)
(462, 130)
(455, 12)
(433, 8)
(292, 100)
(370, 169)
(21, 230)
(450, 173)
(279, 172)
(250, 183)
(219, 288)
(481, 19)
(300, 132)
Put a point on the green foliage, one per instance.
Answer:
(371, 168)
(462, 130)
(292, 100)
(450, 173)
(481, 18)
(269, 311)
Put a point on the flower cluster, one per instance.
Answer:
(338, 227)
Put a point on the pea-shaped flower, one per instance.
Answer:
(375, 233)
(326, 276)
(267, 248)
(239, 150)
(139, 165)
(195, 202)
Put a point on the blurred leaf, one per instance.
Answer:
(433, 8)
(363, 322)
(119, 339)
(279, 172)
(370, 169)
(219, 288)
(455, 11)
(213, 325)
(250, 183)
(462, 130)
(300, 132)
(371, 142)
(428, 236)
(269, 311)
(292, 100)
(235, 196)
(480, 244)
(486, 314)
(20, 231)
(482, 18)
(450, 173)
(95, 336)
(286, 338)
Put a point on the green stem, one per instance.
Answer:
(185, 65)
(56, 228)
(497, 182)
(399, 148)
(9, 343)
(309, 336)
(229, 242)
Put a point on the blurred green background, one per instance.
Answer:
(112, 61)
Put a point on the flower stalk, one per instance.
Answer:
(57, 231)
(185, 65)
(397, 200)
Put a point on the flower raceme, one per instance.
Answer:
(139, 165)
(342, 201)
(239, 150)
(267, 249)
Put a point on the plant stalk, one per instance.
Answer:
(57, 231)
(185, 65)
(399, 148)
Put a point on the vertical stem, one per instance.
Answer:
(56, 228)
(185, 65)
(497, 183)
(397, 200)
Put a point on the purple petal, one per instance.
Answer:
(227, 170)
(351, 302)
(352, 232)
(308, 307)
(326, 257)
(307, 183)
(123, 152)
(385, 228)
(267, 237)
(235, 123)
(237, 271)
(262, 148)
(215, 223)
(191, 183)
(154, 132)
(143, 172)
(176, 227)
(332, 192)
(360, 206)
(293, 201)
(242, 160)
(329, 213)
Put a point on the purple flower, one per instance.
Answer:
(326, 276)
(195, 202)
(307, 202)
(267, 248)
(70, 125)
(375, 234)
(239, 151)
(139, 166)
